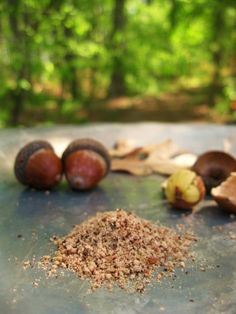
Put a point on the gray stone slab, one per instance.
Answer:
(37, 216)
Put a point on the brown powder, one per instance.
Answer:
(120, 248)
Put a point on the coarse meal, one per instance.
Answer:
(120, 248)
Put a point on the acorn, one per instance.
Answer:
(85, 162)
(184, 189)
(214, 167)
(37, 166)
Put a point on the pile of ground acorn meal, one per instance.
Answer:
(117, 247)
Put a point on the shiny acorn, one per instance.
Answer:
(184, 189)
(85, 163)
(37, 165)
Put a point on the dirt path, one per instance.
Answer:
(182, 106)
(173, 107)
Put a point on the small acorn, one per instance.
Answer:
(85, 162)
(184, 189)
(37, 166)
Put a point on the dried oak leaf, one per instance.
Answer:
(122, 148)
(135, 167)
(154, 158)
(125, 149)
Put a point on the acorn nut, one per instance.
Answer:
(85, 162)
(37, 165)
(184, 189)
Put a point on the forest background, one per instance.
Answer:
(76, 61)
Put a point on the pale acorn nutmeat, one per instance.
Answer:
(184, 189)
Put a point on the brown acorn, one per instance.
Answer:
(214, 167)
(85, 162)
(37, 165)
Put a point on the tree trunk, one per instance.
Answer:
(70, 58)
(218, 25)
(72, 82)
(149, 2)
(18, 98)
(117, 84)
(92, 83)
(173, 14)
(18, 94)
(21, 68)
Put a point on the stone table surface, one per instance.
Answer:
(29, 218)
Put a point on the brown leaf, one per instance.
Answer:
(136, 154)
(164, 150)
(165, 167)
(135, 167)
(125, 149)
(154, 158)
(122, 148)
(144, 168)
(184, 160)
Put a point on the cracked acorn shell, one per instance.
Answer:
(184, 189)
(214, 167)
(37, 165)
(224, 194)
(85, 162)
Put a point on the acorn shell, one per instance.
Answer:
(224, 194)
(214, 167)
(88, 144)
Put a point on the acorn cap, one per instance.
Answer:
(24, 154)
(214, 167)
(88, 144)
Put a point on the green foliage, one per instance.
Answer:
(61, 57)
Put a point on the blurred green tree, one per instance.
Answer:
(60, 58)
